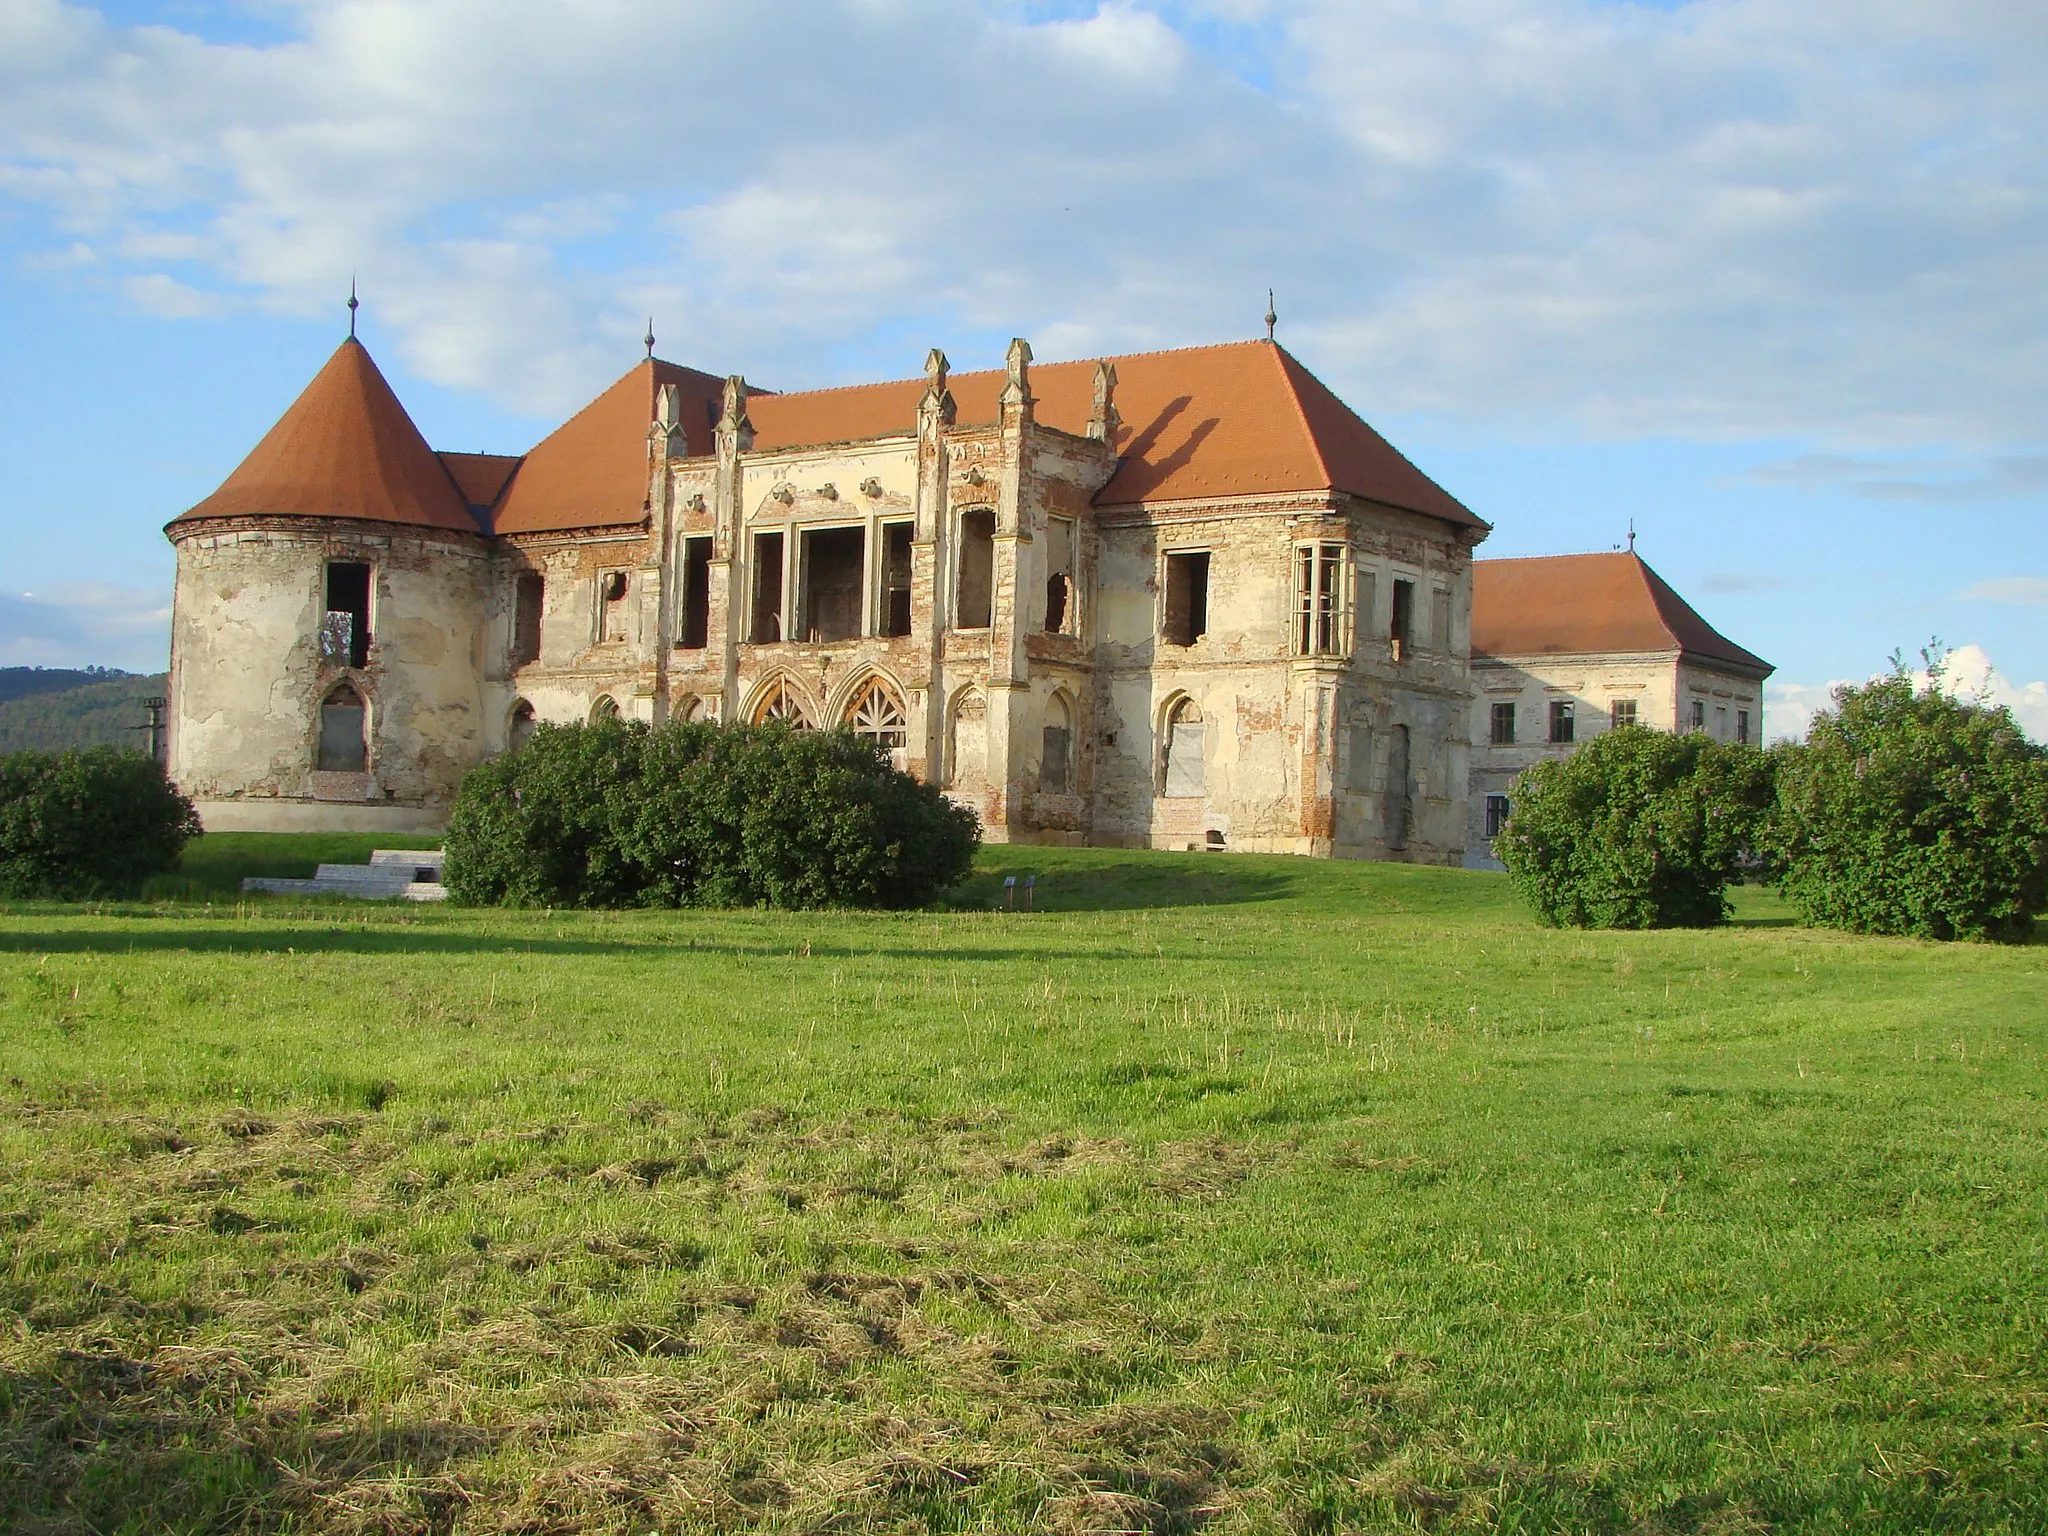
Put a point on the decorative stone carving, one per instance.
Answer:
(1103, 420)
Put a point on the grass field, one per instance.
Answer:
(1227, 1194)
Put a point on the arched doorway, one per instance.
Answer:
(344, 734)
(1182, 740)
(606, 708)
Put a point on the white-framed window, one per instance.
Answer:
(1322, 599)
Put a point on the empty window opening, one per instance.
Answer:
(767, 614)
(696, 626)
(1059, 578)
(780, 706)
(611, 591)
(344, 743)
(1742, 726)
(876, 715)
(895, 578)
(1440, 619)
(1187, 597)
(1401, 620)
(529, 599)
(1562, 719)
(829, 582)
(1699, 714)
(1496, 815)
(345, 629)
(975, 594)
(1319, 627)
(1620, 713)
(1720, 722)
(1056, 749)
(606, 708)
(1503, 725)
(1184, 775)
(523, 725)
(1400, 790)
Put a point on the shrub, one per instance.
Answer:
(1636, 829)
(1910, 812)
(86, 824)
(692, 814)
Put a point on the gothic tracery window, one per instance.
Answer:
(876, 715)
(781, 705)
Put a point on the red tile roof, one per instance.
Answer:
(1598, 604)
(345, 448)
(481, 477)
(591, 472)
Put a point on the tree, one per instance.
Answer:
(1909, 811)
(1636, 829)
(79, 825)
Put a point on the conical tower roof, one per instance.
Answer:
(345, 449)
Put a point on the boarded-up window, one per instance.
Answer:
(1400, 789)
(695, 632)
(529, 599)
(829, 583)
(1440, 619)
(766, 628)
(896, 578)
(1358, 759)
(967, 759)
(344, 745)
(345, 625)
(1184, 777)
(974, 596)
(1056, 751)
(1187, 597)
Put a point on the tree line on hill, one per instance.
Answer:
(56, 709)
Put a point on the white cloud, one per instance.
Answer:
(1741, 217)
(2027, 590)
(86, 624)
(1969, 673)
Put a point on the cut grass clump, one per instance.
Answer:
(1336, 1198)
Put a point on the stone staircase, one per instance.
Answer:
(412, 873)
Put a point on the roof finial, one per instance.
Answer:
(353, 305)
(1631, 535)
(649, 338)
(1272, 319)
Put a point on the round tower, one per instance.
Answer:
(326, 632)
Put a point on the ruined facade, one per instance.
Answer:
(1565, 647)
(1181, 599)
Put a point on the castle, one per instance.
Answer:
(1179, 599)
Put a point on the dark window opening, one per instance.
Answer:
(767, 617)
(896, 578)
(1742, 726)
(1562, 721)
(1400, 790)
(523, 724)
(829, 583)
(344, 745)
(1057, 597)
(974, 603)
(1620, 713)
(1496, 814)
(611, 591)
(1401, 622)
(529, 598)
(1187, 597)
(1056, 749)
(1503, 725)
(1699, 714)
(1059, 579)
(345, 630)
(696, 633)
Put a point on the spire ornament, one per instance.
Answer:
(353, 305)
(1272, 318)
(649, 338)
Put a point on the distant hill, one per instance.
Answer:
(47, 709)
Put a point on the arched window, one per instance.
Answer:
(1056, 753)
(689, 708)
(523, 722)
(876, 715)
(779, 704)
(967, 742)
(344, 743)
(606, 708)
(1182, 747)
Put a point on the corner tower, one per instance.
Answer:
(330, 598)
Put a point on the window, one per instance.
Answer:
(779, 704)
(1503, 725)
(523, 723)
(974, 591)
(1187, 597)
(829, 583)
(1363, 594)
(1720, 722)
(876, 715)
(1059, 579)
(1561, 719)
(1401, 620)
(766, 627)
(612, 618)
(345, 630)
(1620, 713)
(695, 633)
(1320, 619)
(1699, 714)
(1496, 815)
(1358, 757)
(1440, 619)
(1056, 751)
(344, 744)
(1183, 775)
(529, 601)
(1742, 726)
(1400, 790)
(895, 604)
(606, 708)
(967, 747)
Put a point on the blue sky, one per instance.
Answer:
(1765, 278)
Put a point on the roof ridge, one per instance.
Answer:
(1070, 362)
(1283, 357)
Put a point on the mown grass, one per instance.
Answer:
(1223, 1193)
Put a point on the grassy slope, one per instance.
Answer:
(1234, 1193)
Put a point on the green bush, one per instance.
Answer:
(1636, 829)
(621, 814)
(1909, 812)
(75, 826)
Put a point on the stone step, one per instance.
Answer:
(392, 873)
